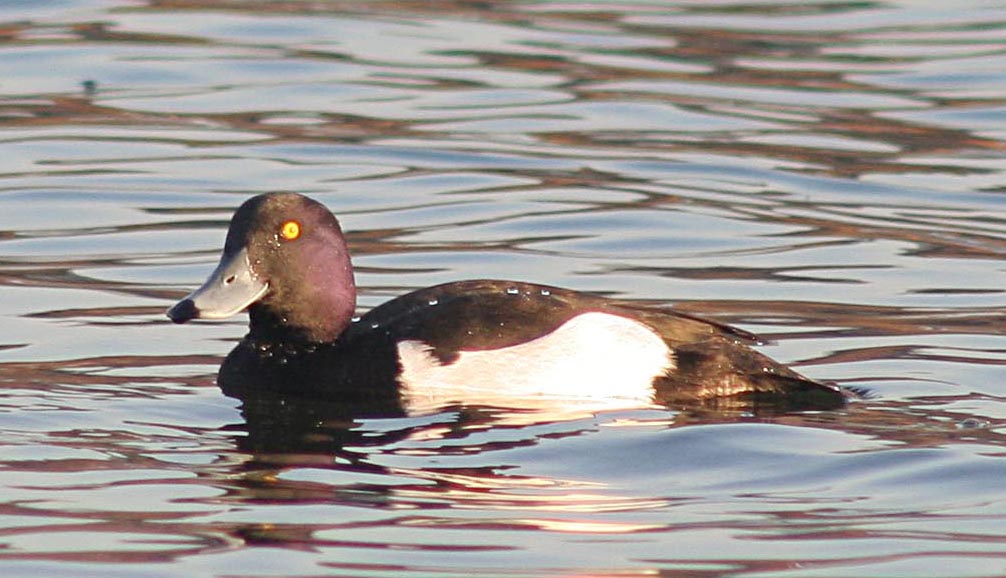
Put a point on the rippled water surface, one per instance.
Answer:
(830, 175)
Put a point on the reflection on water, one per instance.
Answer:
(828, 174)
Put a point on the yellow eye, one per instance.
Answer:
(290, 230)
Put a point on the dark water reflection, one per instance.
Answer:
(827, 174)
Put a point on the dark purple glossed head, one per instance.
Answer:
(286, 261)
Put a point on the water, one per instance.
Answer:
(827, 174)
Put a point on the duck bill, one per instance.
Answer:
(230, 289)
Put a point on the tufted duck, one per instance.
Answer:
(285, 260)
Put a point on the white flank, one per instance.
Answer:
(594, 361)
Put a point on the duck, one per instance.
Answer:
(287, 263)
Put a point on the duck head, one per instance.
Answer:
(285, 260)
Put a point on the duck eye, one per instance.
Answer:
(290, 230)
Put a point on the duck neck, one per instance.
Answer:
(295, 325)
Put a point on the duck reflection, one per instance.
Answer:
(278, 425)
